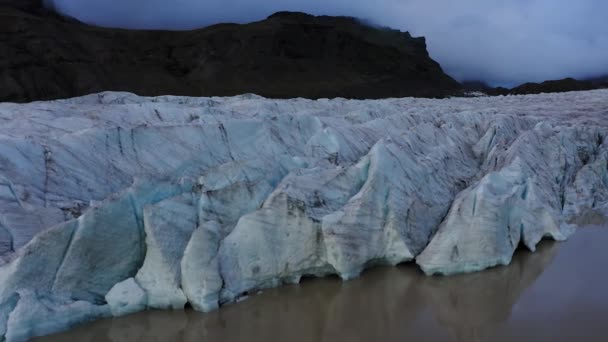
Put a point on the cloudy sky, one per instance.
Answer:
(504, 42)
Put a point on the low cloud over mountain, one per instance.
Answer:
(500, 42)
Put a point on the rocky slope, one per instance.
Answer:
(554, 86)
(600, 81)
(557, 86)
(44, 56)
(113, 203)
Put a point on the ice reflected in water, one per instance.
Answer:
(523, 302)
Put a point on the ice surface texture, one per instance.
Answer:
(113, 203)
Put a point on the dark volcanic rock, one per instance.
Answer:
(25, 5)
(601, 81)
(558, 86)
(44, 56)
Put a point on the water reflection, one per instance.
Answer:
(471, 307)
(386, 304)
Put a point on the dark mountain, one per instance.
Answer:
(557, 86)
(45, 56)
(601, 81)
(24, 5)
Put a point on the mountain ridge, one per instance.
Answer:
(287, 55)
(529, 88)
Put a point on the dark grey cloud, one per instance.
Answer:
(503, 42)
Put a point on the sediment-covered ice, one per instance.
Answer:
(113, 203)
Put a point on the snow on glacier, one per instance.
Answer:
(113, 203)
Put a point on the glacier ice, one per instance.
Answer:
(168, 226)
(126, 297)
(113, 203)
(36, 315)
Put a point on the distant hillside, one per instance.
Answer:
(557, 86)
(601, 81)
(554, 86)
(44, 56)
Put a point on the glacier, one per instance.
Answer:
(113, 203)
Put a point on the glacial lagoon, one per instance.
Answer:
(559, 293)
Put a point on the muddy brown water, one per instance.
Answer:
(559, 293)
